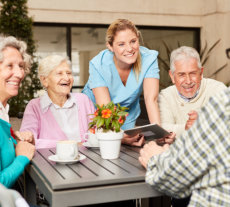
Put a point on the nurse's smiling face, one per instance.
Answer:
(125, 48)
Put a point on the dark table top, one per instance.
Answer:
(92, 171)
(92, 180)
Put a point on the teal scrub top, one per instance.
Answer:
(11, 167)
(103, 73)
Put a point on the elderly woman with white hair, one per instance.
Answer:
(58, 114)
(15, 155)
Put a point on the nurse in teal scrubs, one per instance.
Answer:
(121, 72)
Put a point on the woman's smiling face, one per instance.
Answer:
(125, 47)
(12, 72)
(59, 81)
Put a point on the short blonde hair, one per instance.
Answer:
(49, 63)
(21, 46)
(120, 25)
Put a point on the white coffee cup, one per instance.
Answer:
(67, 149)
(91, 139)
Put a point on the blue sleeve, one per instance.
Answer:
(96, 78)
(153, 70)
(150, 67)
(9, 175)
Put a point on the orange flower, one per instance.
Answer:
(106, 113)
(96, 112)
(92, 130)
(120, 120)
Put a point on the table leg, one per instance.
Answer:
(163, 201)
(30, 190)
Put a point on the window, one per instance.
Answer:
(82, 42)
(50, 40)
(86, 43)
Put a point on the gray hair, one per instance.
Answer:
(21, 46)
(182, 53)
(49, 63)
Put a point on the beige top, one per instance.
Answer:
(174, 109)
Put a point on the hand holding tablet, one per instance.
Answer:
(150, 131)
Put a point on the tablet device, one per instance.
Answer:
(150, 131)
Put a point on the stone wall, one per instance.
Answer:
(212, 16)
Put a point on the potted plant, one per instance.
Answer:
(106, 123)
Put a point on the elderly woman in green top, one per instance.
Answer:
(14, 156)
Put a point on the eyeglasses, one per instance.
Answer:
(228, 52)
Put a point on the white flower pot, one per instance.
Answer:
(110, 144)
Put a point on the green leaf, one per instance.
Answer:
(91, 124)
(97, 106)
(100, 122)
(122, 113)
(117, 127)
(107, 122)
(124, 108)
(96, 118)
(109, 105)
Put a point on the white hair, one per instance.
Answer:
(21, 46)
(183, 53)
(49, 63)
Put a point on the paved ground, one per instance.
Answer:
(16, 123)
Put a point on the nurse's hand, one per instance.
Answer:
(137, 140)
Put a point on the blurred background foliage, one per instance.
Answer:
(14, 21)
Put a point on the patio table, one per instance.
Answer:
(90, 181)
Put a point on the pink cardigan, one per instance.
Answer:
(44, 127)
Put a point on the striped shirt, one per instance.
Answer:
(198, 163)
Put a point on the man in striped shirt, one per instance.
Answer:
(197, 164)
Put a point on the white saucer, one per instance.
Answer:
(87, 144)
(55, 158)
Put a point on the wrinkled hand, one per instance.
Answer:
(167, 140)
(26, 136)
(25, 149)
(137, 140)
(193, 115)
(150, 150)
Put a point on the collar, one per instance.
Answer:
(188, 99)
(6, 109)
(4, 112)
(46, 102)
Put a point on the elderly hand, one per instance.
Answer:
(137, 140)
(25, 149)
(193, 115)
(26, 136)
(167, 140)
(150, 150)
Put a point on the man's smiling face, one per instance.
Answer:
(187, 76)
